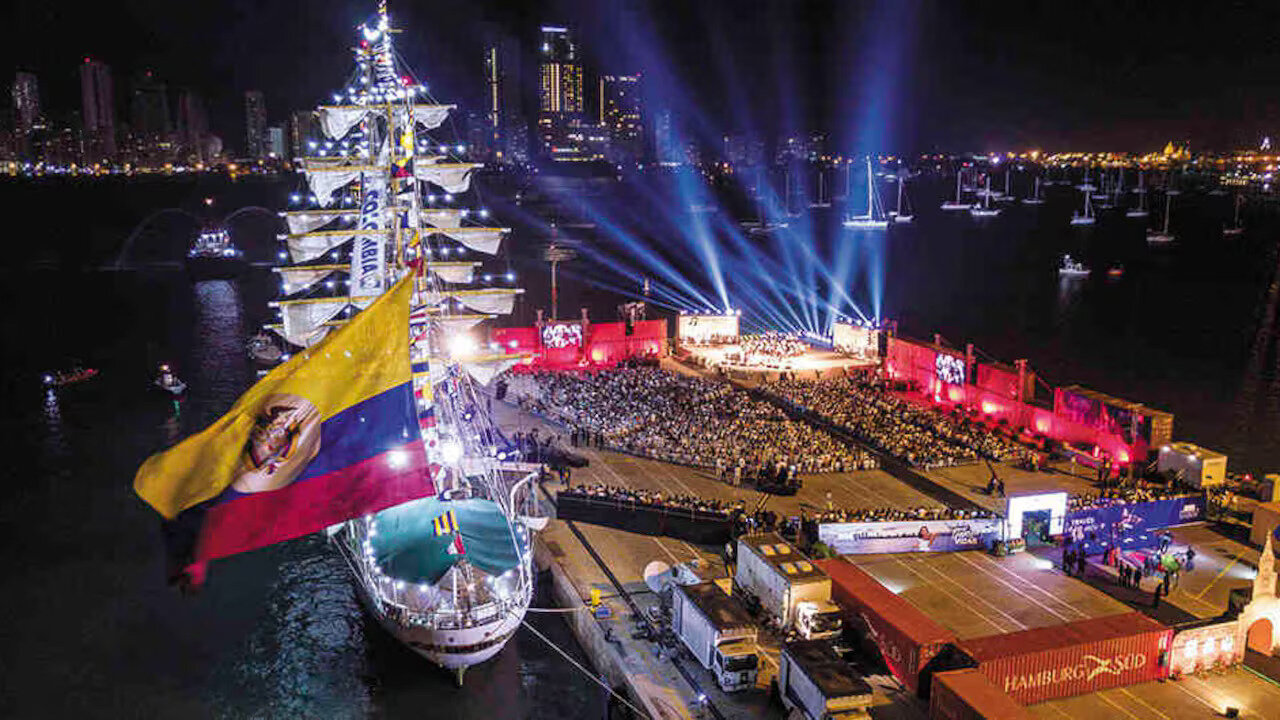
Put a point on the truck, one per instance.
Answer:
(787, 585)
(815, 682)
(718, 632)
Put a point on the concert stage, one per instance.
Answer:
(815, 360)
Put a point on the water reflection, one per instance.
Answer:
(218, 341)
(1070, 291)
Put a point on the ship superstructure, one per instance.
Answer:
(386, 195)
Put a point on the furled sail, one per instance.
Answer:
(485, 240)
(324, 182)
(484, 370)
(301, 222)
(312, 245)
(442, 218)
(454, 272)
(302, 320)
(431, 117)
(299, 279)
(496, 301)
(450, 177)
(337, 120)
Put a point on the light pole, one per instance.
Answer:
(556, 254)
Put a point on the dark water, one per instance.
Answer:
(90, 630)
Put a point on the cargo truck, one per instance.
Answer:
(719, 633)
(788, 586)
(819, 685)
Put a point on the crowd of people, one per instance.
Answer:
(895, 514)
(1123, 495)
(688, 420)
(922, 436)
(657, 498)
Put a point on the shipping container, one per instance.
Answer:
(969, 695)
(906, 637)
(1072, 659)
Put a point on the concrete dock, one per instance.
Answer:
(956, 589)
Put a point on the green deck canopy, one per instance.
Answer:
(407, 547)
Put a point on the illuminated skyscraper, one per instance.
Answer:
(97, 97)
(150, 138)
(620, 116)
(503, 121)
(301, 129)
(193, 126)
(559, 91)
(255, 125)
(26, 112)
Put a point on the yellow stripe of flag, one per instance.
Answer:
(366, 357)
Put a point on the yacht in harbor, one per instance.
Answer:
(985, 210)
(958, 203)
(1035, 198)
(874, 219)
(1236, 228)
(1085, 217)
(1163, 236)
(899, 215)
(1072, 268)
(1141, 210)
(212, 256)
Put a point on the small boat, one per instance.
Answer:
(1163, 237)
(1236, 228)
(1141, 210)
(1086, 217)
(1115, 271)
(169, 382)
(1072, 268)
(264, 349)
(985, 210)
(63, 378)
(872, 220)
(898, 215)
(957, 204)
(214, 257)
(1035, 198)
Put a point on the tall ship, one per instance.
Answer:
(388, 192)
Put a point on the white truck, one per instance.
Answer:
(719, 633)
(815, 682)
(788, 586)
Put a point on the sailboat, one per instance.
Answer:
(898, 215)
(450, 574)
(1036, 198)
(821, 201)
(872, 220)
(985, 210)
(1163, 237)
(1236, 228)
(957, 204)
(1085, 218)
(1141, 190)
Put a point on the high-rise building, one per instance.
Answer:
(504, 118)
(97, 98)
(193, 126)
(273, 142)
(26, 112)
(620, 116)
(665, 146)
(559, 92)
(301, 130)
(150, 137)
(255, 124)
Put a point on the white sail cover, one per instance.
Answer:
(309, 247)
(368, 256)
(299, 279)
(453, 272)
(325, 182)
(485, 240)
(302, 320)
(306, 222)
(338, 121)
(431, 116)
(494, 302)
(450, 324)
(305, 339)
(444, 218)
(484, 371)
(450, 177)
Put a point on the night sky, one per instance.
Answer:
(895, 75)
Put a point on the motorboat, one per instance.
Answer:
(1072, 268)
(167, 381)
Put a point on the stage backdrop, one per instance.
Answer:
(909, 536)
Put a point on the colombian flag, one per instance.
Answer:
(330, 435)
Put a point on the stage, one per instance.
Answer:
(814, 362)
